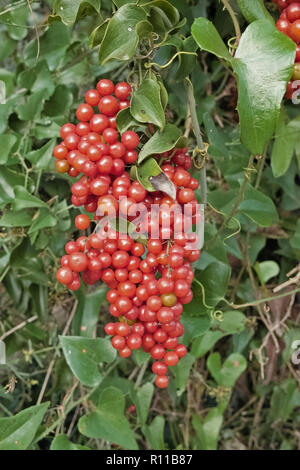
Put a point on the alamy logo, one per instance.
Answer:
(296, 354)
(2, 352)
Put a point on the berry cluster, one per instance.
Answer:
(149, 280)
(289, 24)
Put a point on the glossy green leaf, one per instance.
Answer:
(258, 207)
(17, 432)
(83, 356)
(42, 157)
(163, 16)
(121, 38)
(263, 64)
(142, 400)
(146, 103)
(33, 106)
(70, 11)
(152, 178)
(266, 270)
(194, 326)
(87, 311)
(227, 373)
(208, 430)
(233, 322)
(24, 200)
(154, 433)
(108, 421)
(208, 38)
(61, 442)
(16, 16)
(286, 138)
(163, 141)
(254, 10)
(7, 142)
(125, 120)
(187, 62)
(182, 371)
(42, 219)
(53, 45)
(9, 179)
(16, 219)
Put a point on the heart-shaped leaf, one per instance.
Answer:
(146, 105)
(17, 432)
(151, 176)
(121, 38)
(69, 11)
(263, 65)
(163, 141)
(254, 10)
(108, 421)
(83, 356)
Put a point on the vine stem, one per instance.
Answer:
(238, 200)
(199, 140)
(261, 301)
(236, 25)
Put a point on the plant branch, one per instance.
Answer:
(236, 25)
(199, 140)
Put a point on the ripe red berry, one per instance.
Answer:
(171, 358)
(162, 381)
(130, 139)
(122, 90)
(105, 87)
(82, 221)
(108, 105)
(64, 275)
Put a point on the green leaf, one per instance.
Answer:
(228, 373)
(42, 157)
(121, 38)
(7, 142)
(33, 107)
(254, 10)
(285, 398)
(233, 323)
(142, 400)
(17, 432)
(258, 207)
(154, 433)
(125, 120)
(208, 38)
(17, 16)
(24, 200)
(286, 139)
(16, 219)
(182, 371)
(53, 45)
(208, 430)
(146, 105)
(87, 311)
(187, 62)
(61, 442)
(263, 64)
(163, 16)
(194, 327)
(83, 356)
(163, 141)
(109, 422)
(70, 11)
(151, 176)
(266, 270)
(42, 219)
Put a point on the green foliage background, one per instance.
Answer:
(237, 388)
